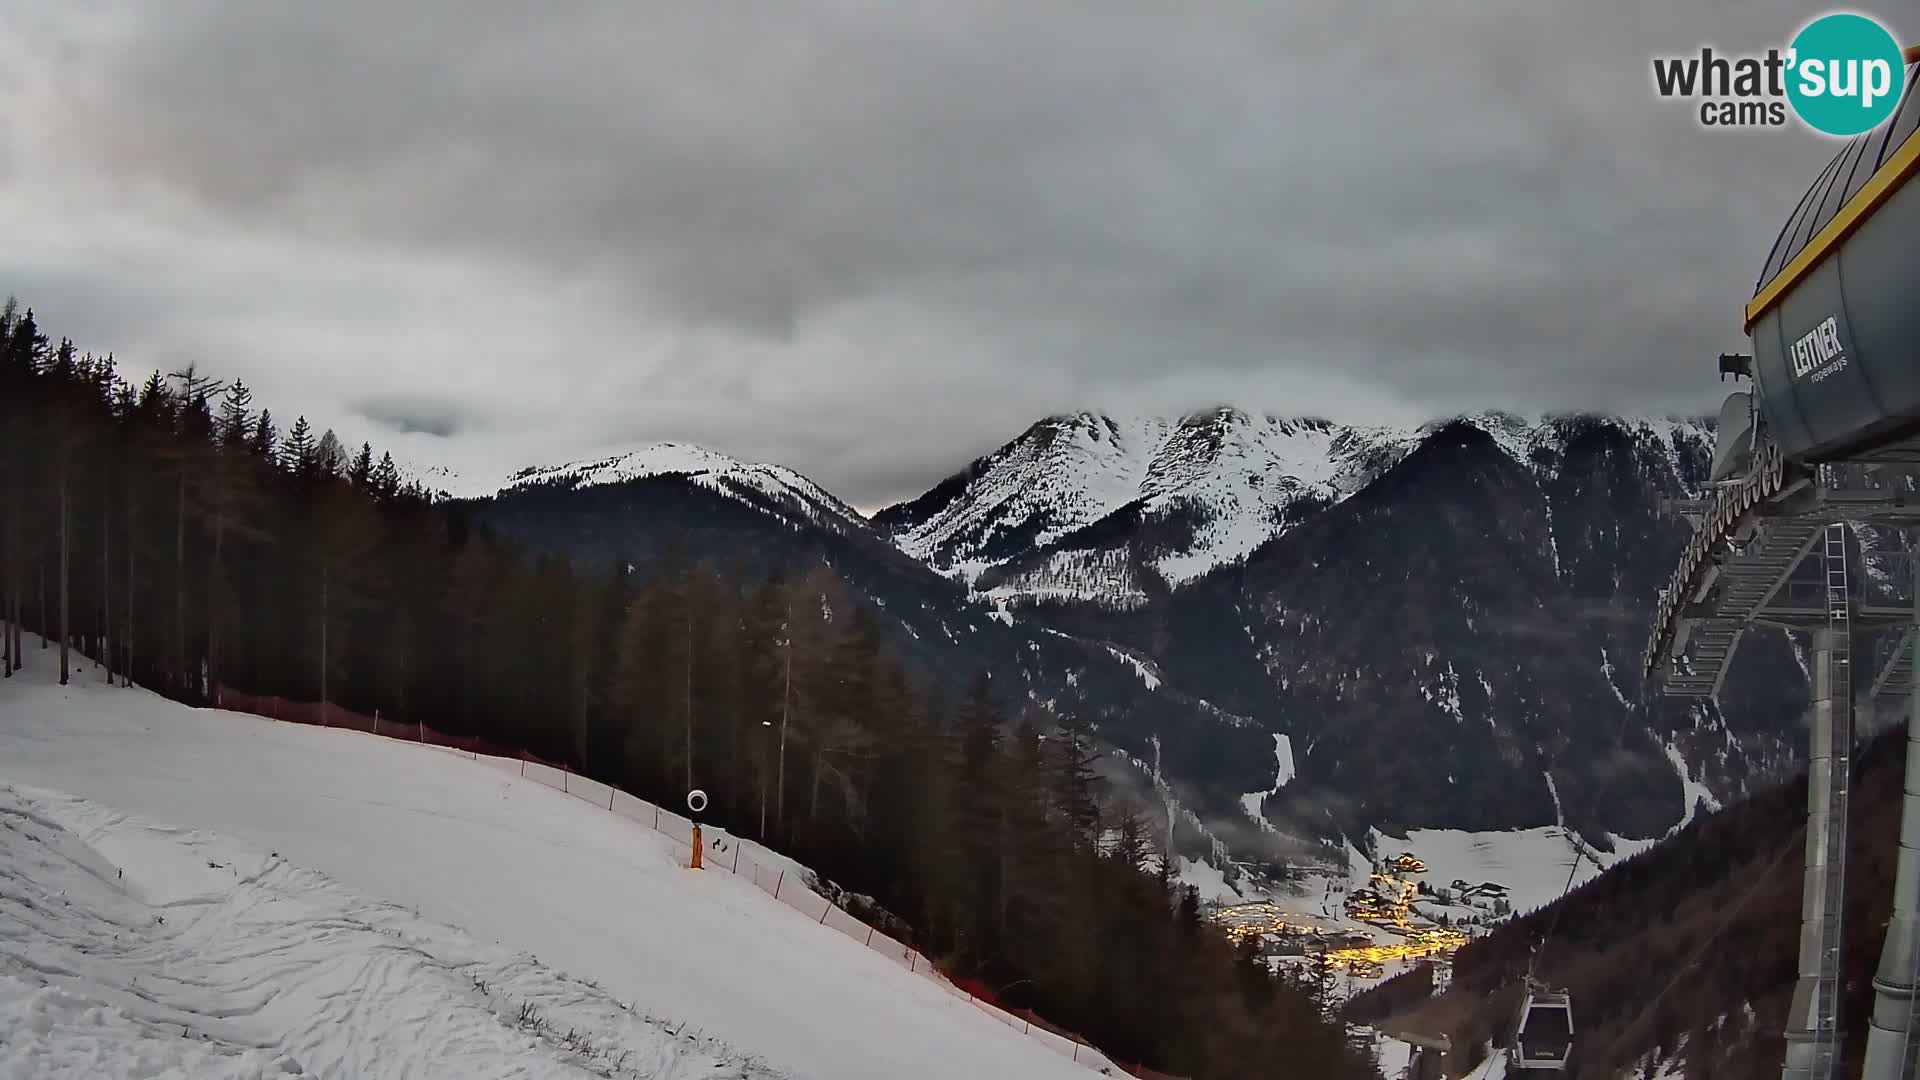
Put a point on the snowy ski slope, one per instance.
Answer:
(475, 872)
(129, 949)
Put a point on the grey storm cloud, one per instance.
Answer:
(407, 416)
(870, 240)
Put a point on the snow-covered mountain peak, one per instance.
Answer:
(1108, 508)
(763, 485)
(1527, 439)
(673, 459)
(1231, 477)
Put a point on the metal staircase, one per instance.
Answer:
(1894, 682)
(1746, 579)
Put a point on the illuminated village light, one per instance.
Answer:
(1387, 903)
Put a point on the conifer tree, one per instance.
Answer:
(265, 440)
(234, 561)
(297, 450)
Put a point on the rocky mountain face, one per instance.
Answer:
(1117, 511)
(1453, 645)
(1441, 621)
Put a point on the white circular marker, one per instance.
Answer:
(696, 800)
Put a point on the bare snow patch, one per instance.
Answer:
(1445, 692)
(1146, 672)
(1208, 880)
(1283, 760)
(1254, 802)
(1606, 669)
(1694, 791)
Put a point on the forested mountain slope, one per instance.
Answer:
(176, 533)
(1440, 621)
(1686, 951)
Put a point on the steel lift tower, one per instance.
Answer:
(1835, 370)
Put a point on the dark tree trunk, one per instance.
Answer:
(6, 595)
(786, 710)
(126, 666)
(180, 581)
(105, 655)
(14, 589)
(66, 576)
(214, 599)
(323, 640)
(18, 591)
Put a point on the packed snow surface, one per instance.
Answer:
(129, 948)
(523, 872)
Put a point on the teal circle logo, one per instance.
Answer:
(1845, 74)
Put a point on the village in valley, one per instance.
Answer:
(1368, 928)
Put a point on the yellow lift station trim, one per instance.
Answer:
(1893, 173)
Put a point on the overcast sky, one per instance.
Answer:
(871, 240)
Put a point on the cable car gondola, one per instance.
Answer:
(1543, 1031)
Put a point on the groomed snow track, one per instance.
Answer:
(528, 874)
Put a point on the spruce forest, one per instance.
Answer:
(170, 533)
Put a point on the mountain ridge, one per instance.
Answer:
(1383, 609)
(1205, 489)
